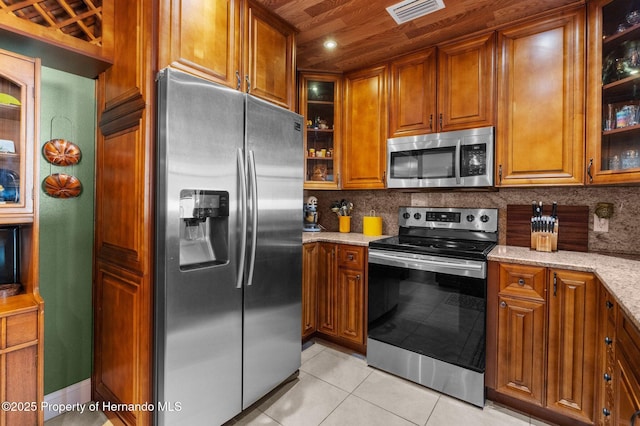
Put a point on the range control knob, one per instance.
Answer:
(484, 218)
(417, 216)
(406, 215)
(470, 218)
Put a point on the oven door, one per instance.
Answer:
(429, 305)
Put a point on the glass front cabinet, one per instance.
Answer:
(17, 116)
(613, 114)
(320, 106)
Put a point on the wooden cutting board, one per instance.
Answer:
(573, 231)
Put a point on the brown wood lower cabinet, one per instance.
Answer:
(340, 282)
(618, 378)
(541, 354)
(20, 350)
(309, 289)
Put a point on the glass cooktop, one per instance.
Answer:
(459, 248)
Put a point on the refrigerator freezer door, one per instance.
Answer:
(198, 338)
(273, 296)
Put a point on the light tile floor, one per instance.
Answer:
(337, 388)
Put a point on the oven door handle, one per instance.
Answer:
(443, 265)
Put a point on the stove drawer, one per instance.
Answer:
(522, 281)
(351, 257)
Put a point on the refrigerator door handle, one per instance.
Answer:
(254, 216)
(243, 215)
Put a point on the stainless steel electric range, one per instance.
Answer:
(427, 299)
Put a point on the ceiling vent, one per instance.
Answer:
(409, 10)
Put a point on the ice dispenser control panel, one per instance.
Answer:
(204, 228)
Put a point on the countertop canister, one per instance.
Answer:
(372, 225)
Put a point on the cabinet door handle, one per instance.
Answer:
(503, 304)
(555, 284)
(609, 304)
(238, 80)
(431, 122)
(589, 170)
(608, 340)
(440, 121)
(500, 173)
(633, 417)
(246, 78)
(521, 282)
(350, 257)
(607, 377)
(606, 412)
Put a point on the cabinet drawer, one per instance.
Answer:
(350, 257)
(22, 328)
(523, 281)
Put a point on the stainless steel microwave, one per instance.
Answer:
(459, 159)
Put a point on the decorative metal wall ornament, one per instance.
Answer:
(61, 152)
(62, 185)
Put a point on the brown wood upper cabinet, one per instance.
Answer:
(412, 106)
(613, 146)
(206, 41)
(540, 132)
(466, 83)
(450, 87)
(543, 352)
(364, 145)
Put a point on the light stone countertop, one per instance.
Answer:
(620, 276)
(353, 238)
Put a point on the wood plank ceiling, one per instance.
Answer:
(366, 34)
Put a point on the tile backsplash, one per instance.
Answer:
(624, 225)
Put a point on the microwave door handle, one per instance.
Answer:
(458, 165)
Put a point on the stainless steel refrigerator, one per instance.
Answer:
(228, 250)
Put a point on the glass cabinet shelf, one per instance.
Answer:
(618, 152)
(318, 104)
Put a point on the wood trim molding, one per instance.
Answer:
(123, 115)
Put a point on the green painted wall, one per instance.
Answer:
(67, 111)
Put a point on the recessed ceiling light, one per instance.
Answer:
(330, 44)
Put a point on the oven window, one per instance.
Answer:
(404, 164)
(438, 315)
(433, 163)
(438, 163)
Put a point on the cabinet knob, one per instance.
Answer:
(521, 282)
(503, 304)
(607, 377)
(350, 257)
(608, 340)
(358, 277)
(606, 412)
(609, 304)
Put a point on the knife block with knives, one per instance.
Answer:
(544, 229)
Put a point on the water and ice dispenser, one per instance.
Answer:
(204, 228)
